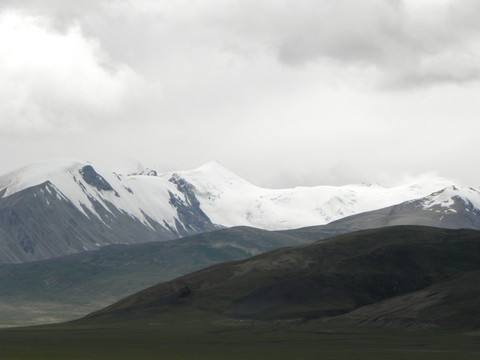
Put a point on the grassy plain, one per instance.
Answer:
(178, 336)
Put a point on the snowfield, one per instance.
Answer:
(230, 200)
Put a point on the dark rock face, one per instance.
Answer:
(91, 177)
(187, 189)
(190, 214)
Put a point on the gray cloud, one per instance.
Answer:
(54, 81)
(283, 92)
(406, 41)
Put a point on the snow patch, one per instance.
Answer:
(446, 198)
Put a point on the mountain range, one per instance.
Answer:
(58, 207)
(62, 288)
(173, 247)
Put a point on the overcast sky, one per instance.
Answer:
(282, 92)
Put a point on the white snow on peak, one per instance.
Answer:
(145, 171)
(211, 180)
(212, 173)
(139, 196)
(226, 198)
(213, 166)
(52, 170)
(445, 198)
(231, 201)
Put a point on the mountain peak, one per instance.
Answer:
(37, 173)
(215, 169)
(50, 165)
(445, 197)
(213, 165)
(211, 177)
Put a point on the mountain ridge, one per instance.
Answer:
(47, 212)
(85, 207)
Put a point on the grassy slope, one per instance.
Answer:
(447, 303)
(190, 331)
(326, 278)
(72, 286)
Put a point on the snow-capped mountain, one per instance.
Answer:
(230, 200)
(93, 194)
(453, 207)
(58, 207)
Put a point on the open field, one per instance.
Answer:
(219, 338)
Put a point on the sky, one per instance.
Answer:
(283, 92)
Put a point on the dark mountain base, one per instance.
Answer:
(428, 276)
(449, 304)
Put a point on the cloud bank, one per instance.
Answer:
(283, 92)
(55, 81)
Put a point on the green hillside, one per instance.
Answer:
(323, 279)
(72, 286)
(394, 293)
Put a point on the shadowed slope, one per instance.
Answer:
(453, 303)
(326, 278)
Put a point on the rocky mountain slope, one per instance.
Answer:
(450, 208)
(60, 207)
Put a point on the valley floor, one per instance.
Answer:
(207, 338)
